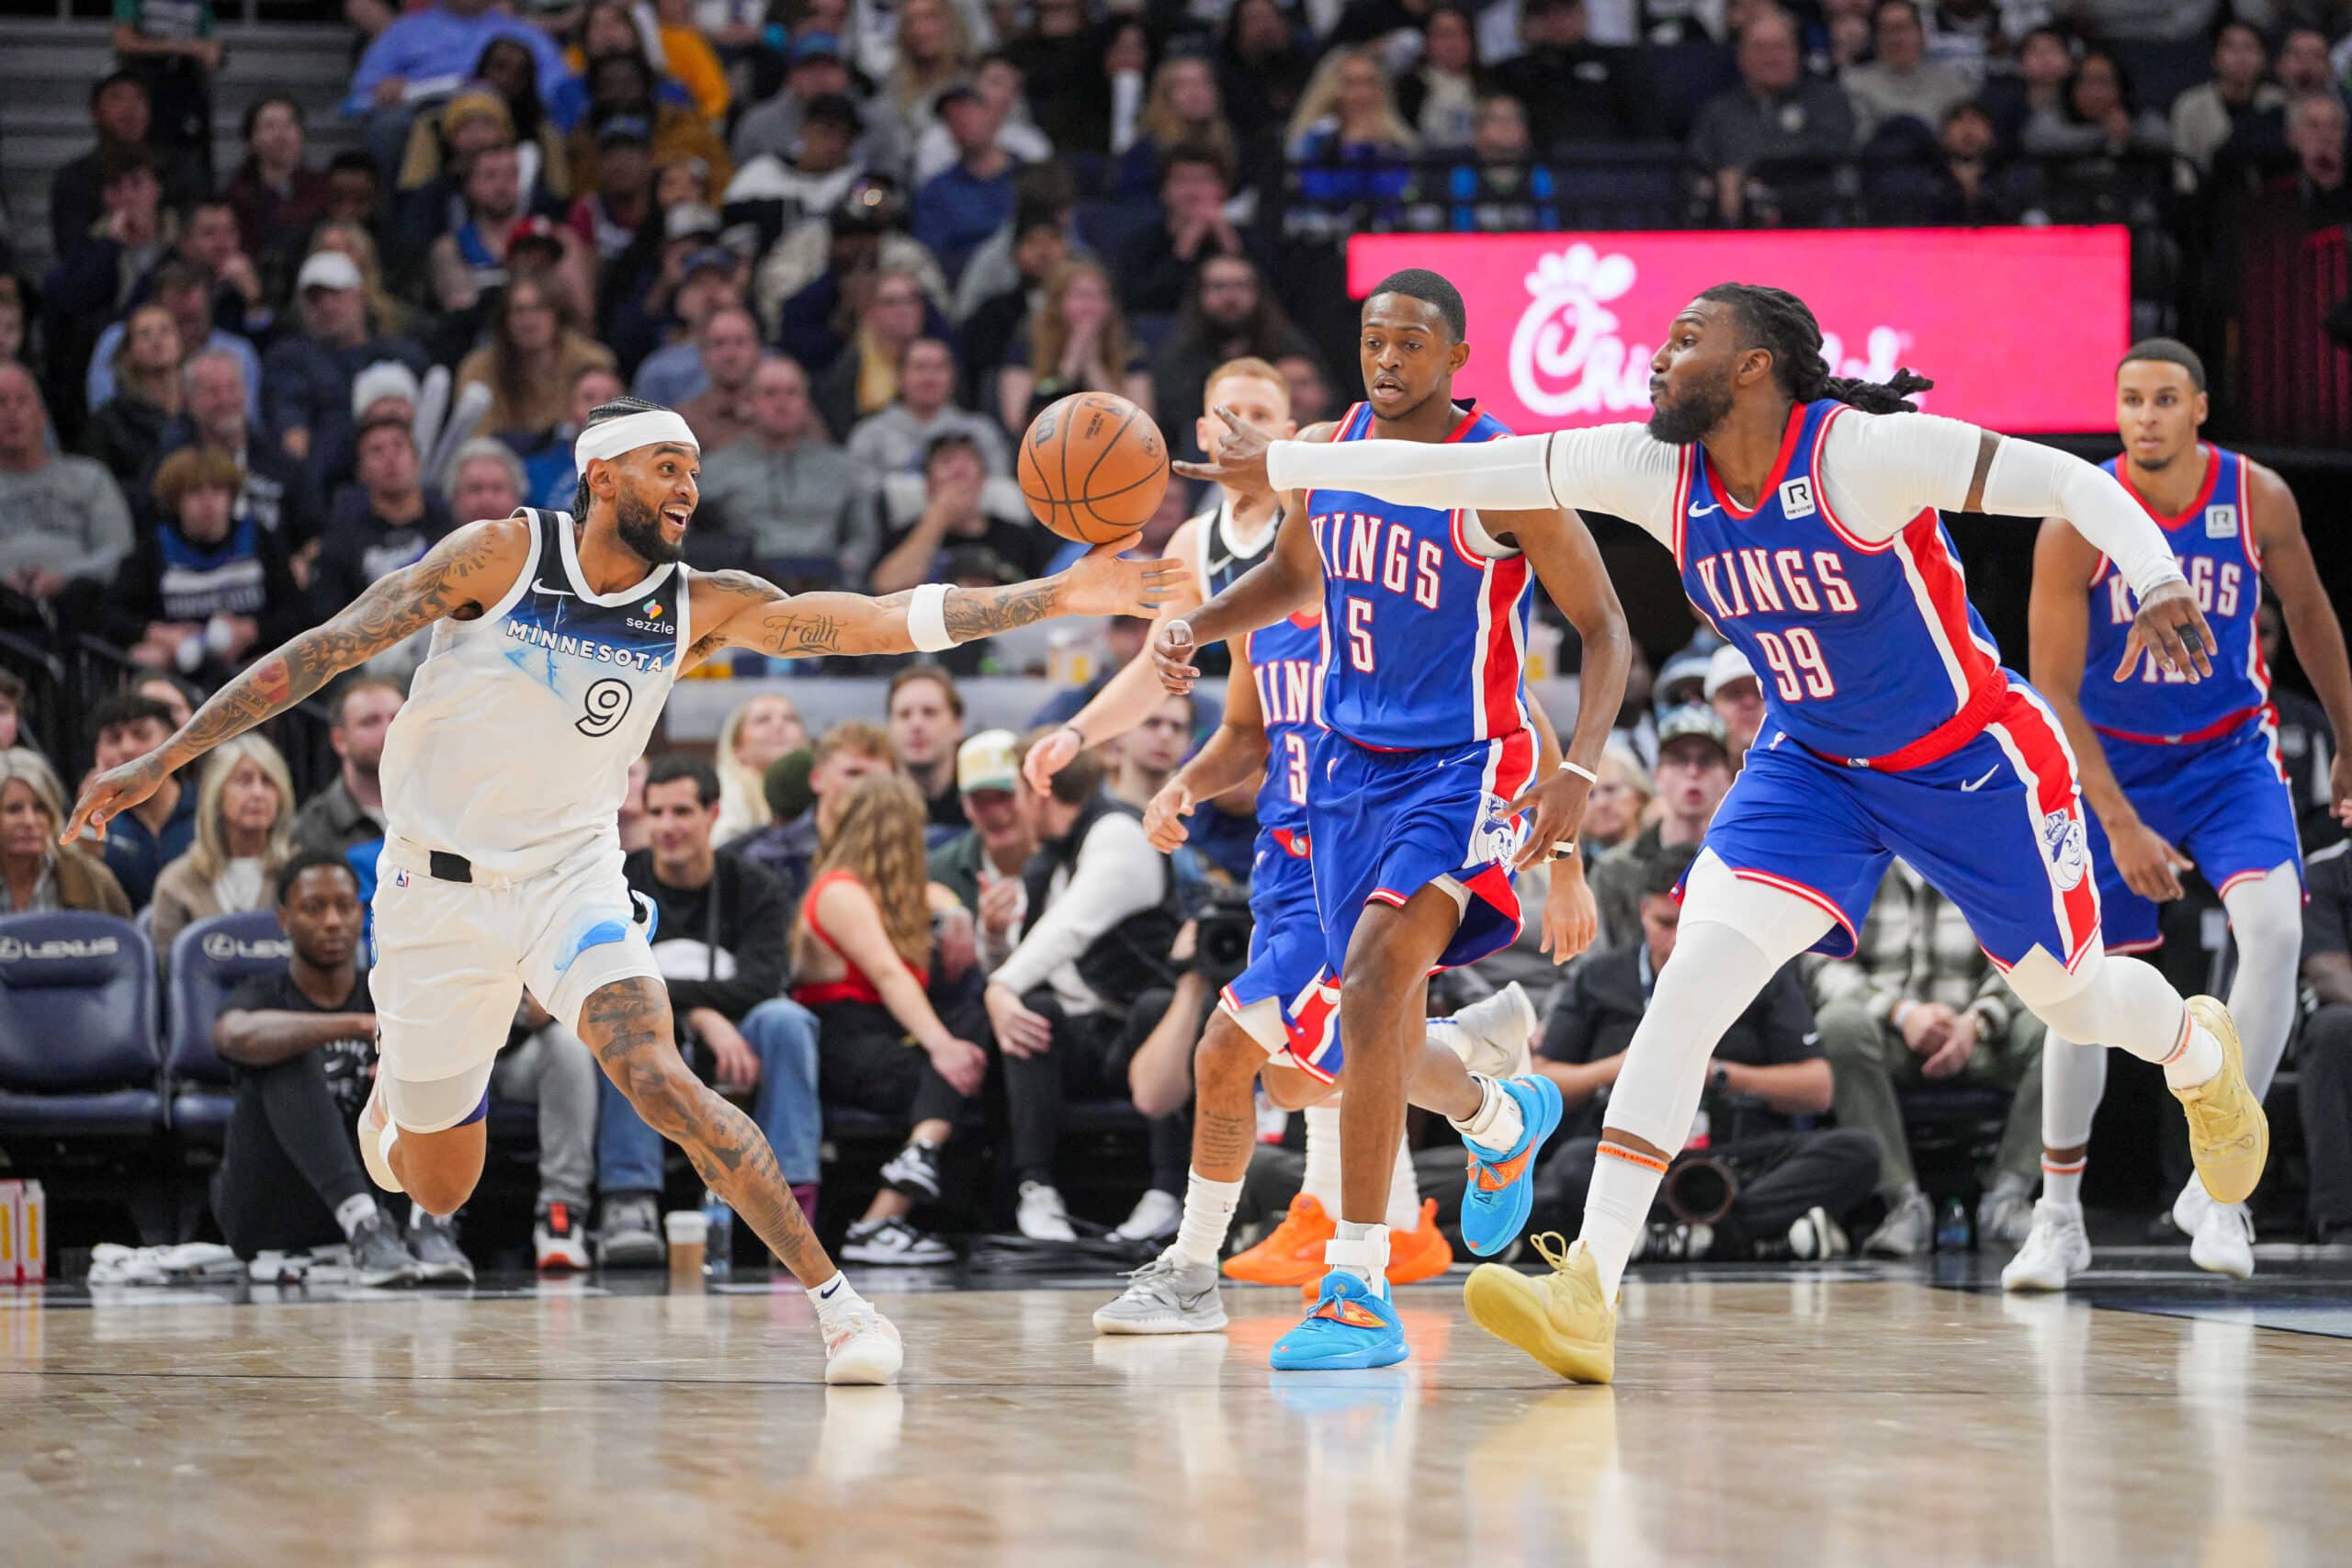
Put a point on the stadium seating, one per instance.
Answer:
(210, 959)
(77, 1028)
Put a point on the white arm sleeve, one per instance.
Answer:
(1615, 468)
(2030, 479)
(1881, 470)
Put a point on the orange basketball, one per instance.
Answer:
(1093, 466)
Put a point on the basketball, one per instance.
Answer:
(1093, 466)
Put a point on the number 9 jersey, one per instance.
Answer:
(515, 745)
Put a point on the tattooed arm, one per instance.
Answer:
(470, 570)
(743, 611)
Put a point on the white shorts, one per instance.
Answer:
(452, 957)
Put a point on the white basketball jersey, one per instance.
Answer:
(515, 748)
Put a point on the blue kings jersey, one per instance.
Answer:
(1286, 666)
(1424, 615)
(514, 747)
(1862, 648)
(2213, 541)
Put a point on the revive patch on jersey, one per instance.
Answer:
(2221, 522)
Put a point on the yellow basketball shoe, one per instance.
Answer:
(2229, 1137)
(1559, 1319)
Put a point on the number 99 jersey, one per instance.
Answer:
(515, 745)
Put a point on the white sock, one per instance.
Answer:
(1208, 1214)
(1360, 1250)
(2196, 1059)
(2062, 1183)
(354, 1211)
(833, 1299)
(1322, 1179)
(2266, 918)
(1617, 1209)
(1496, 1125)
(1404, 1191)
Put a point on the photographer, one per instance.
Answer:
(720, 938)
(1747, 1183)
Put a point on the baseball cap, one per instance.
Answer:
(328, 269)
(1726, 665)
(1683, 666)
(710, 257)
(954, 91)
(987, 761)
(689, 218)
(813, 46)
(831, 109)
(535, 228)
(618, 128)
(385, 378)
(1690, 719)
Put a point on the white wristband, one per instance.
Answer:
(927, 618)
(1579, 769)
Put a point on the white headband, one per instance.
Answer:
(627, 434)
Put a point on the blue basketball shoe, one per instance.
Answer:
(1503, 1186)
(1351, 1326)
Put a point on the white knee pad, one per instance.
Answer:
(434, 1105)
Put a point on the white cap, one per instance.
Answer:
(1729, 664)
(328, 269)
(385, 378)
(987, 761)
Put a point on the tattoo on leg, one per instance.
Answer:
(1221, 1141)
(627, 1025)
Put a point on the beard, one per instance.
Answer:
(1692, 415)
(641, 530)
(2155, 465)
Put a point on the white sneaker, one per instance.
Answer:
(1155, 1218)
(864, 1349)
(1494, 1037)
(2189, 1210)
(894, 1243)
(1166, 1296)
(373, 1119)
(2055, 1250)
(1042, 1216)
(2224, 1240)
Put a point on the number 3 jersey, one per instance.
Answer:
(515, 745)
(1863, 646)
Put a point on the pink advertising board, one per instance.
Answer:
(2019, 327)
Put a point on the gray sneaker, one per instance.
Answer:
(433, 1239)
(1166, 1296)
(630, 1236)
(2005, 1216)
(379, 1258)
(1909, 1230)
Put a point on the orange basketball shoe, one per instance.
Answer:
(1413, 1255)
(1293, 1255)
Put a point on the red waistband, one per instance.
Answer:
(2212, 731)
(1293, 843)
(825, 993)
(1944, 739)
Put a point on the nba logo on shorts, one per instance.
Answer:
(1796, 496)
(2221, 522)
(399, 879)
(2066, 846)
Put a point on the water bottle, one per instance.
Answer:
(1952, 1226)
(719, 1249)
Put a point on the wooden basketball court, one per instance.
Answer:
(1852, 1414)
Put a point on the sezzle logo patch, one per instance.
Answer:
(2066, 846)
(656, 618)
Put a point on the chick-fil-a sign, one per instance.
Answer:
(2019, 327)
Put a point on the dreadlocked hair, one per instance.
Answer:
(1779, 323)
(618, 408)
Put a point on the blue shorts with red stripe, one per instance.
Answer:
(1387, 824)
(1286, 956)
(2224, 804)
(1998, 826)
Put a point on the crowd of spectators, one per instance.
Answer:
(859, 248)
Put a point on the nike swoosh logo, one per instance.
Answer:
(1702, 511)
(1980, 783)
(827, 1294)
(559, 592)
